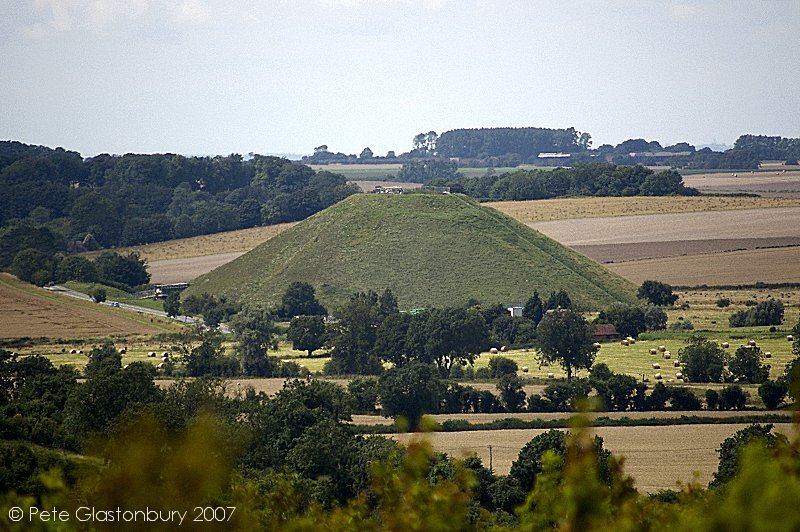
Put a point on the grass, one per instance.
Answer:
(115, 294)
(432, 250)
(570, 208)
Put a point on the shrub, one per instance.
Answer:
(712, 399)
(683, 325)
(500, 366)
(723, 302)
(657, 293)
(768, 312)
(98, 294)
(683, 399)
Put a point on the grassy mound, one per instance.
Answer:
(432, 250)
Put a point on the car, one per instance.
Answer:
(115, 304)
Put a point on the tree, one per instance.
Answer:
(732, 398)
(773, 393)
(33, 266)
(300, 300)
(683, 399)
(731, 450)
(105, 358)
(255, 332)
(558, 300)
(566, 338)
(76, 268)
(366, 153)
(97, 293)
(657, 293)
(702, 360)
(208, 358)
(172, 304)
(307, 333)
(352, 337)
(129, 270)
(501, 366)
(511, 391)
(390, 339)
(449, 336)
(409, 392)
(768, 312)
(746, 365)
(364, 391)
(534, 309)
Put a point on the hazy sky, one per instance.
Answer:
(223, 76)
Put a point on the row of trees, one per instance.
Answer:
(586, 179)
(110, 268)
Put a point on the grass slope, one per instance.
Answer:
(432, 250)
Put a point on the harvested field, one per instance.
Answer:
(656, 457)
(570, 208)
(219, 243)
(772, 183)
(33, 312)
(549, 416)
(778, 265)
(754, 223)
(185, 269)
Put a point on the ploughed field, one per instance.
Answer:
(28, 311)
(656, 457)
(771, 182)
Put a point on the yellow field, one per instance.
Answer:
(569, 208)
(656, 457)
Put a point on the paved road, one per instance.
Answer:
(135, 308)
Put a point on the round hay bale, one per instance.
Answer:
(790, 338)
(160, 365)
(767, 355)
(751, 343)
(653, 351)
(597, 345)
(493, 350)
(125, 366)
(122, 350)
(73, 351)
(551, 376)
(503, 348)
(80, 351)
(667, 355)
(657, 376)
(165, 354)
(679, 375)
(662, 348)
(151, 354)
(676, 364)
(625, 342)
(524, 369)
(656, 365)
(164, 359)
(725, 345)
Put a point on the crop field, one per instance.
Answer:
(28, 311)
(655, 457)
(571, 208)
(777, 182)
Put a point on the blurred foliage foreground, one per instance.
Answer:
(145, 465)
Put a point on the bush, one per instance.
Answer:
(732, 398)
(97, 293)
(773, 393)
(657, 293)
(683, 399)
(683, 325)
(723, 302)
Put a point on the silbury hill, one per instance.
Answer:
(431, 250)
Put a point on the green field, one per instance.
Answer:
(432, 250)
(115, 294)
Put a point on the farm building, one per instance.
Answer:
(516, 312)
(605, 331)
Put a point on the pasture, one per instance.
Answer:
(655, 457)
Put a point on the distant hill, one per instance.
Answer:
(432, 250)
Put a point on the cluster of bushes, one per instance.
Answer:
(768, 312)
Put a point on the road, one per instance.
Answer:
(134, 308)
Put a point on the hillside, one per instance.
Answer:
(432, 250)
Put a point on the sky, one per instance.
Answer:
(206, 77)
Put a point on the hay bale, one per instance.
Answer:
(160, 365)
(625, 342)
(725, 345)
(493, 350)
(125, 366)
(767, 355)
(662, 348)
(790, 338)
(524, 369)
(751, 343)
(667, 355)
(165, 354)
(653, 351)
(151, 354)
(597, 345)
(676, 363)
(657, 376)
(73, 351)
(503, 348)
(80, 351)
(679, 375)
(551, 376)
(164, 359)
(656, 365)
(122, 350)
